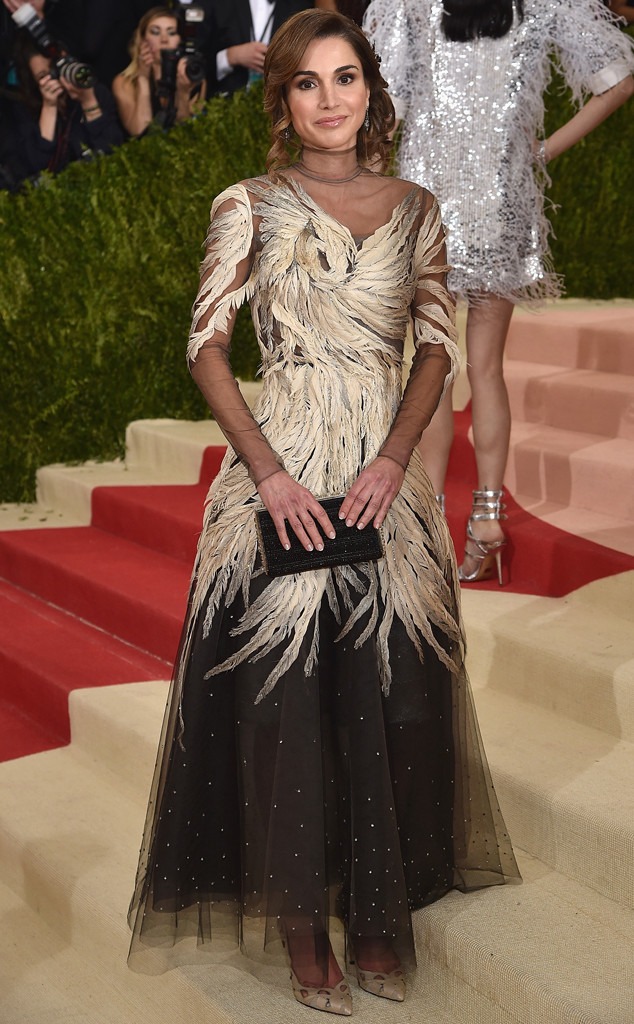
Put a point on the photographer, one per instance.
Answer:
(238, 33)
(96, 31)
(57, 120)
(155, 87)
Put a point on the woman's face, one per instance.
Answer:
(327, 96)
(162, 34)
(39, 66)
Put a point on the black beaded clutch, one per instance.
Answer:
(350, 545)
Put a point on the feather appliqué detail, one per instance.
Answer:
(330, 318)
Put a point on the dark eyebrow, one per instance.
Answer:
(347, 67)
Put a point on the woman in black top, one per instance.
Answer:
(56, 122)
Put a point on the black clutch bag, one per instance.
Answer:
(350, 545)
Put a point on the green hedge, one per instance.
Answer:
(594, 203)
(99, 267)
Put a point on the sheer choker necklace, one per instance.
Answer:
(301, 167)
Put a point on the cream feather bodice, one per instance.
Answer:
(331, 314)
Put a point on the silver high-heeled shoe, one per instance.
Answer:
(487, 505)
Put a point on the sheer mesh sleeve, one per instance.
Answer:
(225, 283)
(437, 357)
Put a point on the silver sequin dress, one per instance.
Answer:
(471, 112)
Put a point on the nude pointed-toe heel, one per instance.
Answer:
(337, 999)
(386, 985)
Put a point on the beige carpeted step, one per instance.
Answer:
(570, 373)
(584, 401)
(543, 952)
(162, 451)
(157, 452)
(547, 952)
(588, 335)
(563, 792)
(585, 470)
(46, 979)
(572, 655)
(68, 842)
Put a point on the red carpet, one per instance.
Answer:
(99, 605)
(44, 654)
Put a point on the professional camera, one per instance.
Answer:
(192, 17)
(63, 65)
(194, 67)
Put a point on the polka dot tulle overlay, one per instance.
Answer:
(325, 799)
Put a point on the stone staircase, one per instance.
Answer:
(570, 373)
(553, 683)
(554, 687)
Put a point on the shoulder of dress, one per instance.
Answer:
(412, 192)
(250, 190)
(398, 184)
(237, 191)
(401, 187)
(260, 181)
(239, 197)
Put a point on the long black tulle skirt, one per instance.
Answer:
(326, 801)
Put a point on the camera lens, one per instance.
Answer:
(195, 69)
(75, 73)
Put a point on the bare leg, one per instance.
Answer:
(313, 960)
(375, 954)
(435, 444)
(487, 328)
(316, 977)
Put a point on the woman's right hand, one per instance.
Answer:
(290, 502)
(13, 5)
(51, 90)
(248, 55)
(146, 59)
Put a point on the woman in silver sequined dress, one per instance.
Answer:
(467, 79)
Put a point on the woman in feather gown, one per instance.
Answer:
(320, 758)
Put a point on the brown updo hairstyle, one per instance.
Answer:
(283, 59)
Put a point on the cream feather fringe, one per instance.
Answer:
(331, 344)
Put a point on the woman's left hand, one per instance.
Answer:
(372, 493)
(86, 97)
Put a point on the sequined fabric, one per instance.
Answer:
(471, 112)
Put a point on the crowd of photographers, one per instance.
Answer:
(78, 77)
